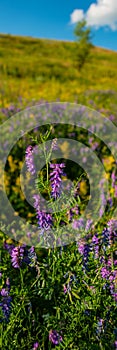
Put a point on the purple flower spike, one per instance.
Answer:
(95, 242)
(8, 247)
(29, 160)
(44, 219)
(17, 256)
(5, 303)
(54, 337)
(55, 178)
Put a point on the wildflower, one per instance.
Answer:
(116, 191)
(99, 326)
(86, 254)
(8, 247)
(54, 144)
(81, 246)
(88, 224)
(17, 256)
(95, 242)
(115, 344)
(65, 289)
(104, 273)
(8, 284)
(55, 179)
(44, 219)
(32, 256)
(36, 198)
(6, 302)
(35, 346)
(115, 296)
(87, 312)
(112, 227)
(29, 160)
(54, 337)
(72, 211)
(78, 224)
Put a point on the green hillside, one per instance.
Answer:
(34, 69)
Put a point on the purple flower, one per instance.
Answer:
(55, 178)
(113, 177)
(17, 255)
(54, 144)
(6, 302)
(30, 160)
(78, 224)
(115, 296)
(32, 256)
(65, 289)
(8, 284)
(95, 242)
(86, 253)
(115, 190)
(99, 326)
(115, 343)
(35, 346)
(109, 262)
(72, 211)
(54, 337)
(44, 219)
(88, 224)
(8, 247)
(36, 198)
(104, 273)
(112, 227)
(81, 245)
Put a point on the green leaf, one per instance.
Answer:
(75, 294)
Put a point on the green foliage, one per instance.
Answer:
(82, 33)
(84, 45)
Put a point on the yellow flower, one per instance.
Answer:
(108, 162)
(83, 188)
(16, 213)
(18, 181)
(112, 191)
(65, 149)
(107, 176)
(30, 215)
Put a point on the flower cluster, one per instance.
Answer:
(20, 254)
(54, 337)
(17, 255)
(55, 178)
(30, 160)
(6, 300)
(44, 219)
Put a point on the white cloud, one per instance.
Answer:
(76, 16)
(100, 14)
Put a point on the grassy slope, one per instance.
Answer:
(45, 69)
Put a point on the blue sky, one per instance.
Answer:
(56, 19)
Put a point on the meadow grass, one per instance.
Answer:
(35, 69)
